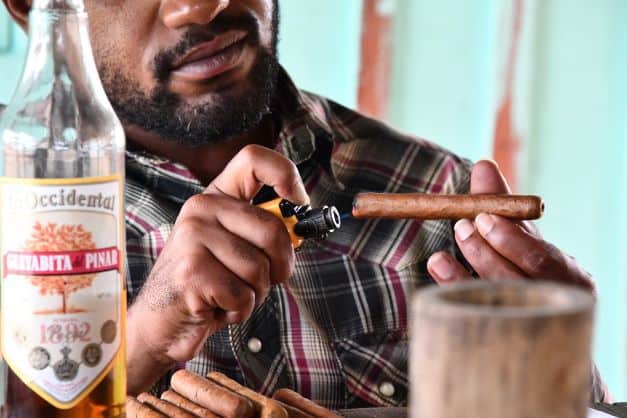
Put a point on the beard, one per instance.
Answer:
(214, 119)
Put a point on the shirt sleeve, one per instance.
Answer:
(599, 392)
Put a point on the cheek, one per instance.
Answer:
(265, 12)
(118, 44)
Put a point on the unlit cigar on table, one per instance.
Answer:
(217, 396)
(434, 206)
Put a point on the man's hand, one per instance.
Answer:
(497, 248)
(219, 263)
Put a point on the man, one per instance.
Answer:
(210, 118)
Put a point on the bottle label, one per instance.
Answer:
(61, 283)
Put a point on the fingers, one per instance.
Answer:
(444, 268)
(219, 291)
(487, 178)
(531, 255)
(266, 232)
(255, 166)
(256, 226)
(243, 259)
(484, 259)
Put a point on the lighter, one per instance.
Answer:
(303, 222)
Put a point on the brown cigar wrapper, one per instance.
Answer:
(184, 403)
(267, 408)
(164, 407)
(136, 409)
(293, 412)
(453, 207)
(291, 398)
(212, 396)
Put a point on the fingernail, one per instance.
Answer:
(464, 229)
(485, 223)
(303, 196)
(441, 267)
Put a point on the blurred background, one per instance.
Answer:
(539, 85)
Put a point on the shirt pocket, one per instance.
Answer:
(374, 366)
(344, 297)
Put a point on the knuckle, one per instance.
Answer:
(540, 261)
(273, 230)
(472, 249)
(195, 202)
(243, 299)
(250, 153)
(188, 268)
(237, 317)
(186, 229)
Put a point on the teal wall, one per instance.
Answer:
(444, 71)
(12, 45)
(320, 46)
(577, 155)
(571, 105)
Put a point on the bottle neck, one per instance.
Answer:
(60, 57)
(62, 5)
(60, 92)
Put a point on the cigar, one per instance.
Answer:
(291, 398)
(136, 409)
(453, 207)
(165, 407)
(265, 407)
(293, 412)
(212, 396)
(184, 403)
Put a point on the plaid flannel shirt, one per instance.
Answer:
(337, 331)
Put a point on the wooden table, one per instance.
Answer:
(617, 410)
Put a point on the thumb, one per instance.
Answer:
(487, 178)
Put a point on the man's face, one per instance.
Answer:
(193, 71)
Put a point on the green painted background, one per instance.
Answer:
(572, 109)
(571, 97)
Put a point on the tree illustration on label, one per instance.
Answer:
(53, 237)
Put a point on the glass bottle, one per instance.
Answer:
(63, 298)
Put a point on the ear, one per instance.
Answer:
(18, 9)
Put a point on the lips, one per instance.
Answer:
(211, 58)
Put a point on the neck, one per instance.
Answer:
(206, 161)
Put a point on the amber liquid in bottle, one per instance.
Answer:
(60, 139)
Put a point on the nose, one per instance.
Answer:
(178, 13)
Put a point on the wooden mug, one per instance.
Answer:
(495, 349)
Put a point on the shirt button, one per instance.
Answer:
(254, 345)
(387, 389)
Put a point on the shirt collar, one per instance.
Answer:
(302, 120)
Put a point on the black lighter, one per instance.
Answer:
(303, 222)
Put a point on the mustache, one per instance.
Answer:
(198, 34)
